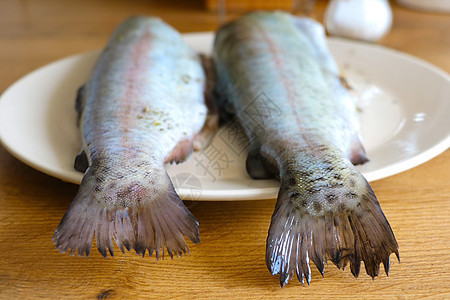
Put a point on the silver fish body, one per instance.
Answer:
(143, 106)
(276, 72)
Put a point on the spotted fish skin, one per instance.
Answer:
(142, 107)
(308, 137)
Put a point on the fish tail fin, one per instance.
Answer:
(317, 222)
(133, 214)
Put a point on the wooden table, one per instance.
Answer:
(229, 262)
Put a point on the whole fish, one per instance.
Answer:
(143, 106)
(277, 74)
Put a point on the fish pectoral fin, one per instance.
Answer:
(256, 167)
(181, 151)
(211, 78)
(298, 235)
(205, 136)
(357, 154)
(80, 102)
(81, 162)
(134, 215)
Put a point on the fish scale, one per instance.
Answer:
(325, 209)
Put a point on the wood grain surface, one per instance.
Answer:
(229, 262)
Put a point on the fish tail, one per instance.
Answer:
(134, 215)
(318, 219)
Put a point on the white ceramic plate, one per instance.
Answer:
(441, 6)
(405, 107)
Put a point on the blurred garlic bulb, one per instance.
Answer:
(367, 20)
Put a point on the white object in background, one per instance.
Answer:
(442, 6)
(367, 20)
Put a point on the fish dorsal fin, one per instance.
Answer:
(317, 42)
